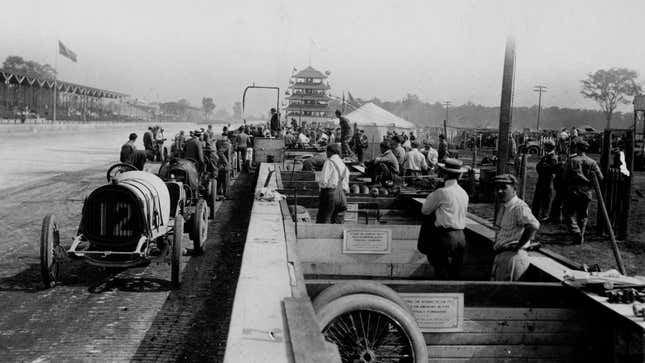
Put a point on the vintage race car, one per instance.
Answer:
(134, 219)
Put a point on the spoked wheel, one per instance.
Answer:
(117, 169)
(368, 328)
(212, 196)
(200, 226)
(49, 250)
(175, 257)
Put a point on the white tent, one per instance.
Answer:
(372, 115)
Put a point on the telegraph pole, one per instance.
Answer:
(445, 122)
(506, 106)
(539, 89)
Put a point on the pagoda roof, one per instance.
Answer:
(310, 86)
(308, 107)
(310, 72)
(309, 97)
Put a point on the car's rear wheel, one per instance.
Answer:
(49, 246)
(351, 287)
(212, 196)
(175, 258)
(200, 226)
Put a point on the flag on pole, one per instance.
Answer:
(66, 52)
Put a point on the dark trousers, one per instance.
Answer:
(379, 172)
(446, 252)
(242, 158)
(345, 145)
(331, 208)
(542, 199)
(577, 211)
(555, 214)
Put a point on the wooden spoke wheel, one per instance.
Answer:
(50, 251)
(200, 226)
(175, 257)
(368, 328)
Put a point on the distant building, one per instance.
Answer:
(308, 97)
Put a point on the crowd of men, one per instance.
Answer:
(564, 185)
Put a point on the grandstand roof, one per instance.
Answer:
(62, 86)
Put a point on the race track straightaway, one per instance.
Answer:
(100, 315)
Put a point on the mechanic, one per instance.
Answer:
(345, 133)
(148, 145)
(127, 150)
(441, 237)
(334, 183)
(383, 169)
(577, 177)
(517, 226)
(194, 150)
(546, 169)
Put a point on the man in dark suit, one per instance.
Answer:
(194, 150)
(127, 150)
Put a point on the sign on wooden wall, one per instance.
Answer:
(437, 312)
(367, 241)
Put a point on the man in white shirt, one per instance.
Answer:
(334, 183)
(441, 237)
(517, 225)
(303, 140)
(433, 156)
(415, 162)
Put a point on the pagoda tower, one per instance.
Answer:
(308, 97)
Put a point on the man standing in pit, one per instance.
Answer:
(128, 149)
(546, 169)
(345, 133)
(443, 148)
(578, 177)
(441, 237)
(274, 124)
(242, 142)
(415, 162)
(517, 225)
(334, 183)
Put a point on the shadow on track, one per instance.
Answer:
(193, 323)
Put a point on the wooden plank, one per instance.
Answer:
(307, 342)
(298, 287)
(490, 338)
(497, 360)
(399, 232)
(385, 271)
(506, 313)
(482, 293)
(502, 351)
(523, 327)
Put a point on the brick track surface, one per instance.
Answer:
(102, 315)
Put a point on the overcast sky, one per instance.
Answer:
(439, 50)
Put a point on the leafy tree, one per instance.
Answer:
(609, 87)
(16, 64)
(208, 106)
(237, 111)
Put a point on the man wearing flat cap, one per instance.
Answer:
(578, 177)
(194, 150)
(517, 225)
(546, 169)
(441, 237)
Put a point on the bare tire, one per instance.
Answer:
(212, 196)
(369, 328)
(341, 289)
(200, 226)
(49, 245)
(119, 168)
(175, 257)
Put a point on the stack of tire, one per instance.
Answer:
(362, 302)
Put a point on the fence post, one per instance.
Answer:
(605, 185)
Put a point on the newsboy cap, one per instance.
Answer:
(505, 179)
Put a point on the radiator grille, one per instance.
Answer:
(113, 216)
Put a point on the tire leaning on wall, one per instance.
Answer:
(341, 289)
(367, 327)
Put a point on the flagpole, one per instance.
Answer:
(55, 78)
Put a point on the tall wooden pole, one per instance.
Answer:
(505, 114)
